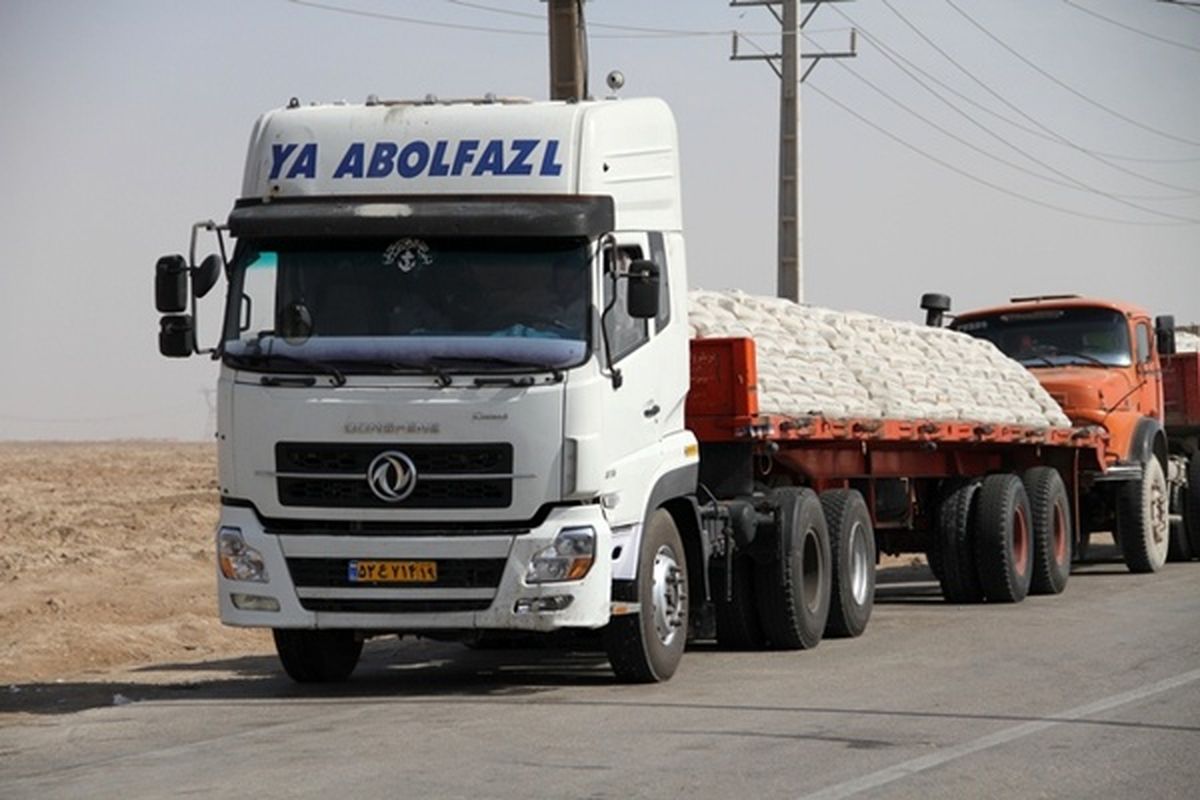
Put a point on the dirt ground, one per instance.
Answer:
(106, 559)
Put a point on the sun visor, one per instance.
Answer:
(565, 216)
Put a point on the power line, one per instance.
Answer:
(633, 32)
(1130, 28)
(976, 178)
(893, 55)
(1009, 104)
(1070, 181)
(1048, 76)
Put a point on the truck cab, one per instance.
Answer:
(1101, 361)
(452, 377)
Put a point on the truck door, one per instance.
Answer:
(1149, 371)
(632, 411)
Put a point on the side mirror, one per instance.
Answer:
(170, 285)
(176, 336)
(642, 297)
(1164, 332)
(935, 307)
(204, 277)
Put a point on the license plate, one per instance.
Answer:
(392, 572)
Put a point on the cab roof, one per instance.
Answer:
(1020, 304)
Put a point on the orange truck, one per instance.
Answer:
(1115, 371)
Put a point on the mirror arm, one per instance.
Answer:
(609, 242)
(207, 225)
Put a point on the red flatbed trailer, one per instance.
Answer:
(990, 504)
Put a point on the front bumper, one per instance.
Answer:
(436, 608)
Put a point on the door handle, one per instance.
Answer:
(651, 411)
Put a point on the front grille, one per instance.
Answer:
(393, 606)
(327, 462)
(455, 573)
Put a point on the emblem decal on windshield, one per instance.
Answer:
(408, 254)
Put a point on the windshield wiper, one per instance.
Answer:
(1084, 356)
(339, 379)
(503, 380)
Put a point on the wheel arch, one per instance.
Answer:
(1149, 440)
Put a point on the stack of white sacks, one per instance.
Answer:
(839, 364)
(1187, 342)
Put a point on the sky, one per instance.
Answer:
(979, 148)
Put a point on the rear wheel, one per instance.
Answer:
(954, 543)
(852, 550)
(646, 647)
(310, 656)
(1051, 519)
(1004, 539)
(1143, 522)
(1191, 504)
(1179, 547)
(793, 586)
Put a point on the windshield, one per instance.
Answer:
(411, 303)
(1057, 336)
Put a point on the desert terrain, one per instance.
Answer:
(106, 559)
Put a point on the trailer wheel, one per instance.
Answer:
(1052, 534)
(738, 626)
(954, 543)
(311, 656)
(1191, 504)
(1004, 539)
(646, 647)
(1143, 522)
(852, 551)
(793, 587)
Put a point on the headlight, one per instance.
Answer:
(238, 561)
(568, 559)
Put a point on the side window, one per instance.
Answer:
(625, 334)
(1143, 343)
(658, 254)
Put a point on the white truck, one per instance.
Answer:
(452, 382)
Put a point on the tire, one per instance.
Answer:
(1003, 539)
(852, 553)
(1050, 517)
(1191, 504)
(738, 626)
(793, 587)
(1143, 523)
(310, 656)
(1179, 548)
(954, 542)
(646, 647)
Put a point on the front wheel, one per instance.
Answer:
(646, 647)
(1143, 522)
(310, 656)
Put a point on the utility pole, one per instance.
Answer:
(786, 64)
(568, 50)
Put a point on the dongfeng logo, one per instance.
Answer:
(392, 476)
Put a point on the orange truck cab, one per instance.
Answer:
(1105, 362)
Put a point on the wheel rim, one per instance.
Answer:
(1020, 541)
(1060, 535)
(859, 569)
(669, 589)
(810, 569)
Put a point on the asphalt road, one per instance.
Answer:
(1092, 693)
